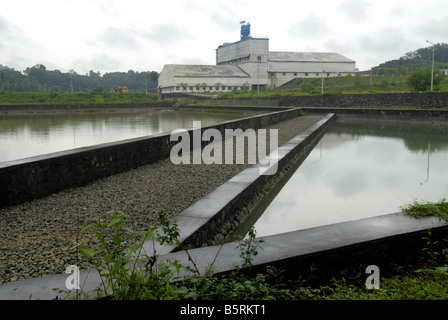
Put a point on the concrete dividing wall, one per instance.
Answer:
(213, 219)
(36, 177)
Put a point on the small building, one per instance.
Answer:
(287, 66)
(249, 64)
(182, 78)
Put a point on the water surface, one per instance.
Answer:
(35, 134)
(359, 170)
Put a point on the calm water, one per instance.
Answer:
(358, 170)
(36, 134)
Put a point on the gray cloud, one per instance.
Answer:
(193, 60)
(355, 10)
(99, 61)
(388, 39)
(226, 16)
(116, 38)
(312, 26)
(341, 46)
(132, 37)
(434, 30)
(12, 49)
(9, 31)
(165, 33)
(110, 8)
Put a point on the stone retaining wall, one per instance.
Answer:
(418, 100)
(423, 100)
(385, 114)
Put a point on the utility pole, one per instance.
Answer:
(71, 81)
(432, 68)
(322, 85)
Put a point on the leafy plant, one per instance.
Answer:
(249, 248)
(420, 80)
(419, 209)
(127, 272)
(116, 255)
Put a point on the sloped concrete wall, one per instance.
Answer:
(213, 219)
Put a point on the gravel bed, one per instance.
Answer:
(37, 237)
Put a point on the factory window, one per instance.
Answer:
(191, 88)
(295, 74)
(328, 74)
(284, 73)
(317, 74)
(185, 88)
(259, 58)
(177, 88)
(306, 74)
(210, 88)
(229, 88)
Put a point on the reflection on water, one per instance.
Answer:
(32, 135)
(358, 170)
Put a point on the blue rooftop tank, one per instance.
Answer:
(245, 31)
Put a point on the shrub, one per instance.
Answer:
(420, 80)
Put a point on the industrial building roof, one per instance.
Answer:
(308, 57)
(187, 70)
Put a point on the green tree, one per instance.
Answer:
(306, 87)
(420, 80)
(98, 89)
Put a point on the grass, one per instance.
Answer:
(333, 85)
(312, 86)
(78, 97)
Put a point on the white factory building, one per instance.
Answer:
(248, 64)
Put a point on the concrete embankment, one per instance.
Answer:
(38, 234)
(232, 189)
(36, 177)
(377, 241)
(421, 100)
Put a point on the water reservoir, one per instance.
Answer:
(27, 135)
(361, 169)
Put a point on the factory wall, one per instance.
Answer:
(242, 51)
(257, 71)
(251, 55)
(282, 72)
(211, 84)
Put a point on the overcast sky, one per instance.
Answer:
(110, 35)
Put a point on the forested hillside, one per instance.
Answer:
(414, 60)
(39, 79)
